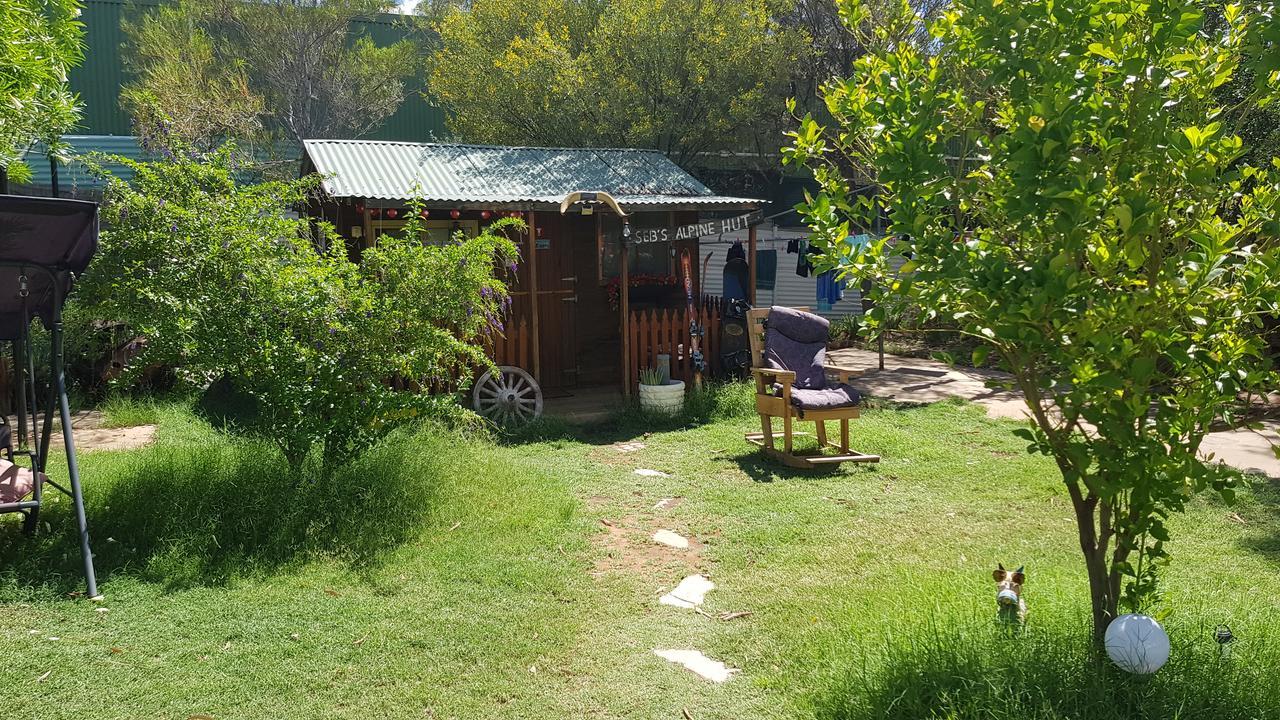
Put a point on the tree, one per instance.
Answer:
(40, 41)
(224, 284)
(212, 69)
(1070, 190)
(682, 77)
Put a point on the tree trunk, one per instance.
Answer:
(1102, 598)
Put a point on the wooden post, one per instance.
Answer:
(368, 225)
(624, 302)
(751, 266)
(533, 296)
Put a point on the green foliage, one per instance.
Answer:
(208, 70)
(225, 283)
(40, 41)
(1070, 191)
(668, 74)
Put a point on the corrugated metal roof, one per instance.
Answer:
(504, 175)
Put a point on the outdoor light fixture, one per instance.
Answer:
(485, 214)
(392, 213)
(455, 214)
(1137, 644)
(360, 208)
(1222, 635)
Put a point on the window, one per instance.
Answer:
(435, 232)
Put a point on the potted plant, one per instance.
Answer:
(658, 396)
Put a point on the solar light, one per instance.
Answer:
(1137, 644)
(1222, 635)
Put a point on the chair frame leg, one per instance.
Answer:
(844, 435)
(821, 427)
(766, 424)
(786, 433)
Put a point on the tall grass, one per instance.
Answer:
(973, 669)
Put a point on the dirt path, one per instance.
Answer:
(916, 380)
(90, 435)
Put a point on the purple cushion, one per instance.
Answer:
(832, 398)
(797, 341)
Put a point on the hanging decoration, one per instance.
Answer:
(392, 213)
(485, 214)
(360, 208)
(424, 214)
(455, 214)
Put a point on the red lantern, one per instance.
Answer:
(360, 208)
(424, 214)
(455, 214)
(392, 213)
(484, 214)
(377, 212)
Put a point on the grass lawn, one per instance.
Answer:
(446, 577)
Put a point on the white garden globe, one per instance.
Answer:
(1137, 643)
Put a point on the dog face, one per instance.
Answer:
(1008, 586)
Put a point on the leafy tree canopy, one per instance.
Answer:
(40, 41)
(682, 77)
(211, 70)
(1066, 184)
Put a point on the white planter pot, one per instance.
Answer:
(667, 398)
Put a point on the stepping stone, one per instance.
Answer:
(644, 472)
(699, 664)
(665, 503)
(689, 594)
(670, 539)
(629, 447)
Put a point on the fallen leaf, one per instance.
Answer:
(360, 641)
(45, 676)
(226, 646)
(727, 616)
(687, 715)
(199, 717)
(456, 526)
(116, 651)
(293, 636)
(606, 523)
(331, 593)
(1236, 517)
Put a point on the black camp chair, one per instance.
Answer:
(44, 244)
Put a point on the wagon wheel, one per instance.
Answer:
(507, 396)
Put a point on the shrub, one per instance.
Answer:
(225, 282)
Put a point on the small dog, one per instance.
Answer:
(1012, 608)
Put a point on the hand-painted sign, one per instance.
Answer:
(696, 230)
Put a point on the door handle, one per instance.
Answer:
(572, 279)
(573, 298)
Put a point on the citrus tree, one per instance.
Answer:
(1066, 185)
(226, 283)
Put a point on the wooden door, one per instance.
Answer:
(557, 290)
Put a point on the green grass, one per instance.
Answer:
(449, 577)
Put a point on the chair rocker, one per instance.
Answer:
(788, 349)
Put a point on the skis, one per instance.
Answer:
(695, 328)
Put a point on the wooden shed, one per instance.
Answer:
(571, 326)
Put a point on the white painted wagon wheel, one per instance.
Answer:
(507, 396)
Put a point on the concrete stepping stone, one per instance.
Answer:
(629, 447)
(699, 664)
(645, 472)
(665, 503)
(670, 539)
(690, 593)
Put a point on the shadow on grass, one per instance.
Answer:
(983, 672)
(716, 401)
(1264, 539)
(203, 512)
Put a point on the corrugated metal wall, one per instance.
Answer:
(99, 79)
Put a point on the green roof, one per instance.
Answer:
(522, 177)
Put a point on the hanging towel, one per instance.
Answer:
(766, 269)
(802, 263)
(830, 290)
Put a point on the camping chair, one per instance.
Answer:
(788, 349)
(44, 244)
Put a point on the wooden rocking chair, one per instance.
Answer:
(788, 348)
